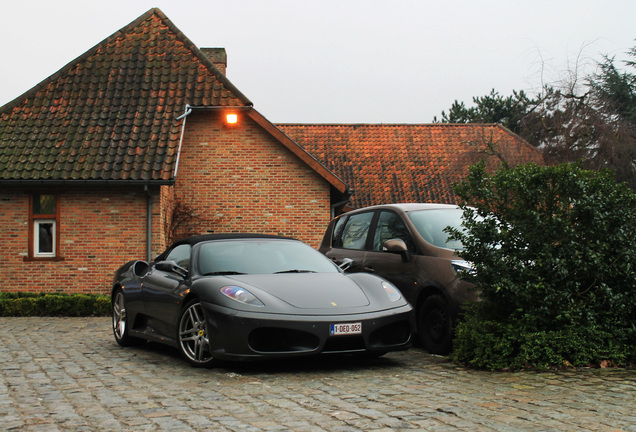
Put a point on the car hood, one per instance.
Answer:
(308, 290)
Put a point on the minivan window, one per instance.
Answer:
(354, 234)
(430, 225)
(391, 226)
(337, 232)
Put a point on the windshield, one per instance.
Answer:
(261, 257)
(430, 225)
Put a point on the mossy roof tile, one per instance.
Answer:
(123, 95)
(385, 163)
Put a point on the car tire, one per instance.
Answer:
(435, 326)
(193, 335)
(120, 321)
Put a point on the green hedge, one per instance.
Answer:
(555, 266)
(53, 304)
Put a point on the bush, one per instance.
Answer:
(58, 304)
(555, 268)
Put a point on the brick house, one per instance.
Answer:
(129, 146)
(393, 163)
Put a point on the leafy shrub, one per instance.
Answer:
(58, 304)
(555, 267)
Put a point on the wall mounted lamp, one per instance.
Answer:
(231, 119)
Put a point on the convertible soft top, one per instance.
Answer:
(227, 236)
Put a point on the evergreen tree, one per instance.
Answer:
(493, 108)
(594, 123)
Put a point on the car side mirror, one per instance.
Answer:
(140, 268)
(397, 246)
(171, 267)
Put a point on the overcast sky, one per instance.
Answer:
(340, 61)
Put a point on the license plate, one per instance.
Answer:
(345, 329)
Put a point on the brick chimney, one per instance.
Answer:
(216, 56)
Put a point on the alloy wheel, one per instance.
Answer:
(193, 335)
(119, 316)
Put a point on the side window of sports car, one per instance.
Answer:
(391, 226)
(354, 233)
(180, 255)
(44, 213)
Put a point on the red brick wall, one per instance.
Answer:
(237, 179)
(100, 229)
(165, 209)
(240, 179)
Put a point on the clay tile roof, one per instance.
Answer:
(395, 163)
(111, 114)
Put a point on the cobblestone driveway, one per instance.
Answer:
(68, 374)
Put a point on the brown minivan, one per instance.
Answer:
(406, 244)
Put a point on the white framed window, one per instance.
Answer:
(44, 227)
(44, 238)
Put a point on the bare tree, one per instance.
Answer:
(582, 117)
(590, 119)
(486, 144)
(184, 221)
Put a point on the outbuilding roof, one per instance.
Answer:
(396, 163)
(112, 114)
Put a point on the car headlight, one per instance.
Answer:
(241, 295)
(392, 292)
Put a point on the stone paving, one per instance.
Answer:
(68, 374)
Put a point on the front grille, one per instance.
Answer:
(396, 333)
(269, 340)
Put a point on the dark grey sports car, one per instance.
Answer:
(247, 296)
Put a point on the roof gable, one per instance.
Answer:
(301, 153)
(111, 114)
(394, 163)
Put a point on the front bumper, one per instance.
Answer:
(240, 335)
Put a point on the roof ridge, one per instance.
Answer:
(202, 57)
(392, 124)
(127, 28)
(515, 135)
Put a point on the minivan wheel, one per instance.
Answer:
(435, 326)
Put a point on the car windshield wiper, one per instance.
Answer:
(296, 271)
(224, 272)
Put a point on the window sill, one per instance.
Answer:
(42, 259)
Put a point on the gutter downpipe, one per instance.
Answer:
(338, 204)
(148, 224)
(188, 110)
(183, 116)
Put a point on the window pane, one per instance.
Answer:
(337, 232)
(390, 226)
(43, 204)
(431, 224)
(261, 257)
(180, 255)
(45, 237)
(355, 232)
